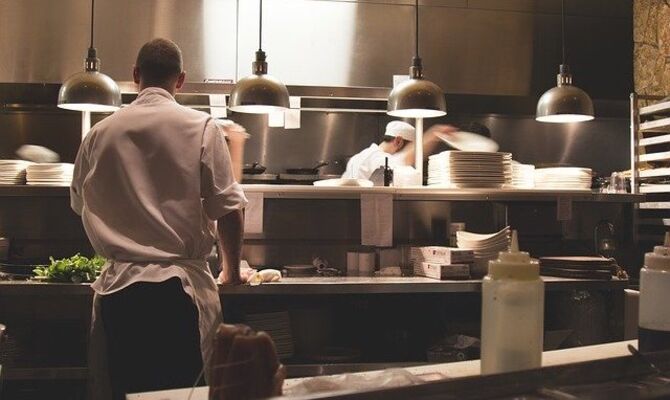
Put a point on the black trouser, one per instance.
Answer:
(153, 342)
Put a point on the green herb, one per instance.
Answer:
(75, 269)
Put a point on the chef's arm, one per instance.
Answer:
(231, 231)
(430, 142)
(236, 148)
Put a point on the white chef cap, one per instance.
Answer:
(402, 129)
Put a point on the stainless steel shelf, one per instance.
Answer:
(325, 286)
(655, 205)
(658, 125)
(652, 188)
(662, 156)
(658, 108)
(654, 173)
(650, 141)
(381, 285)
(399, 194)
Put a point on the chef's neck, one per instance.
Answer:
(388, 147)
(172, 89)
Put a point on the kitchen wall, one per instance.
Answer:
(494, 58)
(652, 47)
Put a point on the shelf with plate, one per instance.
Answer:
(650, 165)
(399, 194)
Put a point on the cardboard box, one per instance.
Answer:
(442, 271)
(442, 255)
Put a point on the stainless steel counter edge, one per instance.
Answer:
(399, 194)
(325, 286)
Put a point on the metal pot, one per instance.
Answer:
(307, 171)
(253, 169)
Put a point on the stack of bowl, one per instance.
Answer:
(486, 247)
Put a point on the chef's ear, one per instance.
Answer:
(399, 142)
(180, 80)
(136, 75)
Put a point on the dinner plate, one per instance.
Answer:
(468, 141)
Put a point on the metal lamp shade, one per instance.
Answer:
(90, 91)
(564, 104)
(259, 94)
(417, 98)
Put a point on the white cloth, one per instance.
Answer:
(149, 182)
(363, 164)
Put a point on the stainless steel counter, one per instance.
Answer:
(325, 286)
(402, 194)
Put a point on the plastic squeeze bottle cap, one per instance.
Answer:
(514, 264)
(660, 258)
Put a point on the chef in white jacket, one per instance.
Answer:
(150, 181)
(397, 147)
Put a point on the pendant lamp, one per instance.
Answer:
(416, 97)
(564, 103)
(90, 90)
(259, 93)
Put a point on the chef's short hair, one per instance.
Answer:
(389, 138)
(159, 61)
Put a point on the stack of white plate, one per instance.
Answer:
(13, 172)
(469, 169)
(485, 246)
(278, 326)
(49, 174)
(563, 178)
(523, 176)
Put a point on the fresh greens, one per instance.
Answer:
(75, 269)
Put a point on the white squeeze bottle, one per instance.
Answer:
(654, 323)
(512, 313)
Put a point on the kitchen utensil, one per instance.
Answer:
(352, 263)
(253, 169)
(298, 270)
(366, 263)
(468, 141)
(307, 171)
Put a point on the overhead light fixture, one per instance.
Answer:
(564, 103)
(416, 97)
(259, 93)
(90, 90)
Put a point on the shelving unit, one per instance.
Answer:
(650, 150)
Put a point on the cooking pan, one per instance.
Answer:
(253, 169)
(307, 171)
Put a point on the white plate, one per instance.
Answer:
(344, 182)
(468, 141)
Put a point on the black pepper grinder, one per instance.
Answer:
(388, 174)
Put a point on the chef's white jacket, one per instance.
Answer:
(363, 164)
(149, 182)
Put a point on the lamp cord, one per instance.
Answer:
(416, 26)
(260, 28)
(92, 18)
(563, 30)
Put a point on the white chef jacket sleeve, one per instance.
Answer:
(378, 159)
(81, 169)
(220, 192)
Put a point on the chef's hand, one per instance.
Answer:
(434, 130)
(226, 279)
(234, 132)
